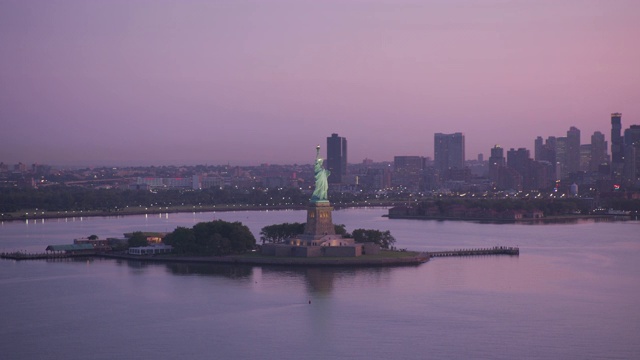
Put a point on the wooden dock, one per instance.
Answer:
(496, 250)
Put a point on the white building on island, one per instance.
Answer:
(151, 250)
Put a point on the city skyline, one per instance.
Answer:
(604, 153)
(167, 83)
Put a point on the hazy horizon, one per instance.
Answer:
(249, 82)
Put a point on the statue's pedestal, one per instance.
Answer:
(319, 238)
(319, 222)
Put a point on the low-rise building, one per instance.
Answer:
(72, 249)
(98, 244)
(152, 237)
(151, 250)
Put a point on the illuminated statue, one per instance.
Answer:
(322, 185)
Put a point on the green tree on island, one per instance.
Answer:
(137, 239)
(214, 238)
(278, 233)
(341, 230)
(382, 238)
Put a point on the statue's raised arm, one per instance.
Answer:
(321, 175)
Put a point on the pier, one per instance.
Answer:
(496, 250)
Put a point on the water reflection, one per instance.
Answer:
(76, 260)
(610, 219)
(552, 221)
(317, 280)
(323, 280)
(228, 271)
(182, 269)
(134, 264)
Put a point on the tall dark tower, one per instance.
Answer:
(519, 160)
(632, 153)
(336, 158)
(538, 148)
(617, 146)
(598, 151)
(496, 161)
(572, 154)
(448, 152)
(617, 154)
(497, 156)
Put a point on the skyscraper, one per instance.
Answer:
(561, 158)
(519, 160)
(585, 157)
(408, 171)
(535, 175)
(632, 153)
(408, 163)
(547, 151)
(598, 151)
(448, 152)
(632, 135)
(572, 160)
(616, 139)
(336, 158)
(617, 146)
(497, 156)
(496, 161)
(538, 148)
(502, 176)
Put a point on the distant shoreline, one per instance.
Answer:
(544, 220)
(170, 210)
(230, 208)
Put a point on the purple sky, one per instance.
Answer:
(263, 81)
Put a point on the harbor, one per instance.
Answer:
(491, 299)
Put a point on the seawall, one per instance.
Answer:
(361, 261)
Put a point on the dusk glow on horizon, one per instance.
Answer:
(127, 82)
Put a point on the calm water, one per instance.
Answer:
(573, 293)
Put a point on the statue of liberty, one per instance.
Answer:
(322, 185)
